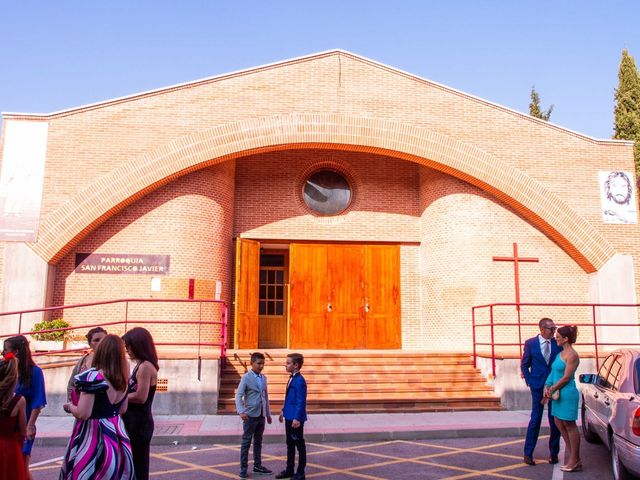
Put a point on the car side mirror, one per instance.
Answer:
(588, 378)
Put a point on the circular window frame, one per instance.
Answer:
(326, 168)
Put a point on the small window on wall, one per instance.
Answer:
(271, 288)
(327, 192)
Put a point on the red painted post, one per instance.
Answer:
(223, 347)
(519, 335)
(473, 334)
(595, 336)
(199, 329)
(126, 315)
(493, 344)
(192, 288)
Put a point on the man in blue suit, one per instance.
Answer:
(539, 353)
(294, 413)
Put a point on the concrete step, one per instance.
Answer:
(386, 405)
(390, 389)
(370, 381)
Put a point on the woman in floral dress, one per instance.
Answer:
(99, 447)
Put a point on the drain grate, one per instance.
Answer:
(167, 429)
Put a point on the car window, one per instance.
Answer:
(615, 373)
(604, 371)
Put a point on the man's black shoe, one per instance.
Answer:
(262, 470)
(529, 460)
(298, 476)
(553, 459)
(284, 474)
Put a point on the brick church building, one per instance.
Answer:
(333, 202)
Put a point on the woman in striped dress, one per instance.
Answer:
(99, 447)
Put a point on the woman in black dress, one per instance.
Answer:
(142, 388)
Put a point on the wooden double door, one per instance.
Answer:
(338, 296)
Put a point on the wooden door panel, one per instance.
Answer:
(309, 296)
(246, 307)
(346, 322)
(382, 296)
(273, 332)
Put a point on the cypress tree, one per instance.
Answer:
(627, 109)
(534, 107)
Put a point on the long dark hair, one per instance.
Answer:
(8, 380)
(20, 346)
(140, 343)
(109, 358)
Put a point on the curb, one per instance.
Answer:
(327, 437)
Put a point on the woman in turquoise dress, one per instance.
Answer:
(561, 389)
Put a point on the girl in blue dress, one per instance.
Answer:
(561, 389)
(30, 386)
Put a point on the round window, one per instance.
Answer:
(327, 192)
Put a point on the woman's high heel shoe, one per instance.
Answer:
(575, 468)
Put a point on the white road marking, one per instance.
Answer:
(46, 462)
(557, 473)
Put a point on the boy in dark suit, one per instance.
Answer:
(294, 413)
(539, 353)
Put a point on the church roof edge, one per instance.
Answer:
(281, 63)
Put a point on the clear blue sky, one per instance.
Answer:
(61, 54)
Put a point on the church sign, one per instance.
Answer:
(122, 263)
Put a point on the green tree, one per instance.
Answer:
(627, 109)
(534, 107)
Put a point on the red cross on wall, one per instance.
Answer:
(515, 259)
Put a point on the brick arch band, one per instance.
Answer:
(65, 227)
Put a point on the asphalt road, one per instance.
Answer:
(451, 459)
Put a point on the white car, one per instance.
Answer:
(611, 410)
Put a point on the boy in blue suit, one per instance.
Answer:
(294, 413)
(539, 353)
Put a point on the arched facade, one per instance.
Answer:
(148, 171)
(441, 183)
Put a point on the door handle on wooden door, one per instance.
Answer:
(329, 307)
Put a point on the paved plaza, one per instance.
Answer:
(451, 459)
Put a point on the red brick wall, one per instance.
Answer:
(460, 226)
(269, 201)
(191, 220)
(463, 228)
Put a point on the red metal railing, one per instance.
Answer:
(126, 320)
(551, 310)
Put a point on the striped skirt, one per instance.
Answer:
(99, 449)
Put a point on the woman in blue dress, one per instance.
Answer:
(561, 389)
(30, 386)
